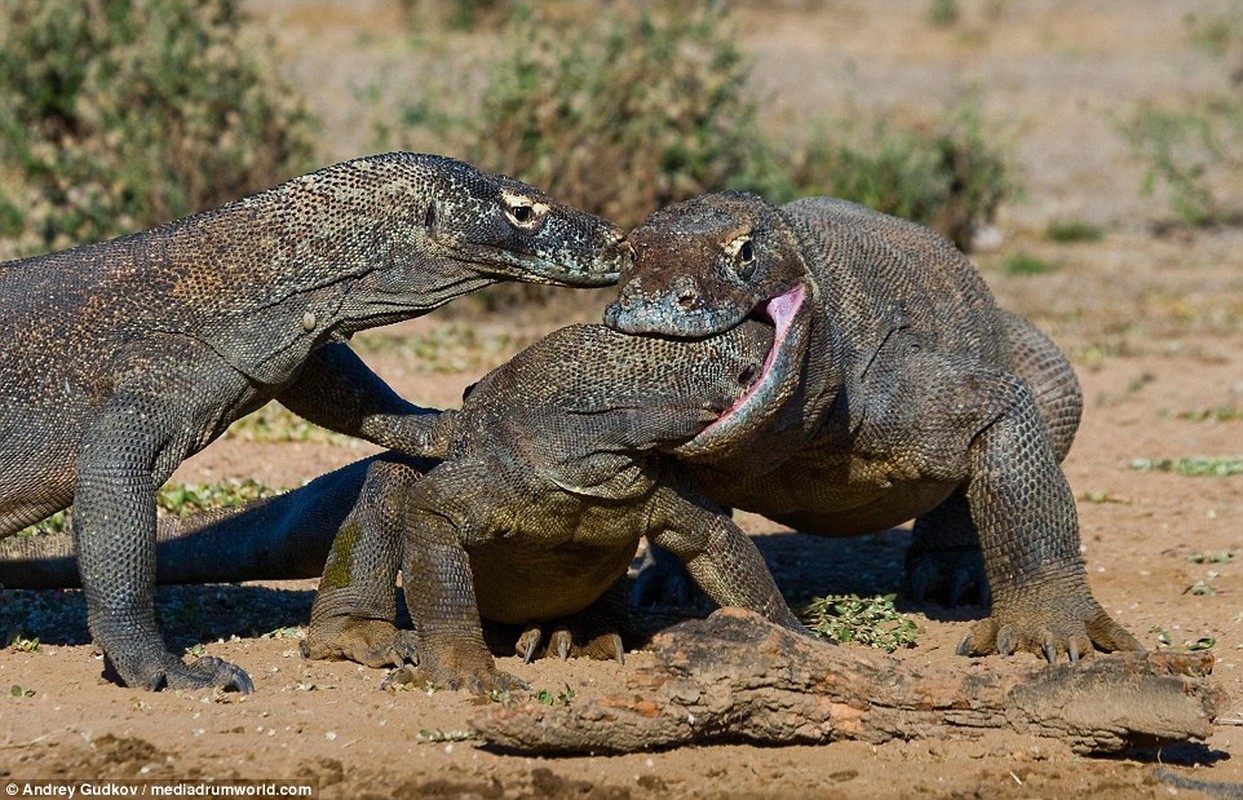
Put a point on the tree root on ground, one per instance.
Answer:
(735, 678)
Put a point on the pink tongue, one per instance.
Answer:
(780, 311)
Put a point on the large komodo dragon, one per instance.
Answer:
(120, 359)
(916, 397)
(554, 468)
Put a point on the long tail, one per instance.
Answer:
(277, 538)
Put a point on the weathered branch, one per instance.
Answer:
(735, 677)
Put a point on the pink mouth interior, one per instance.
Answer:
(780, 311)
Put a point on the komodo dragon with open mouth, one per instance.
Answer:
(556, 465)
(915, 397)
(121, 359)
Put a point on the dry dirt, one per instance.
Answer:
(1155, 327)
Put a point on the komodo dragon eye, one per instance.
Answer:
(742, 249)
(523, 212)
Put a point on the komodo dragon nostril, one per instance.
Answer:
(748, 374)
(686, 299)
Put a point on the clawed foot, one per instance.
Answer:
(954, 576)
(371, 642)
(454, 671)
(1074, 629)
(607, 646)
(207, 672)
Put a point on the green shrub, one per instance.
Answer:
(625, 111)
(946, 176)
(1180, 147)
(943, 13)
(870, 621)
(1184, 146)
(121, 115)
(1068, 231)
(619, 114)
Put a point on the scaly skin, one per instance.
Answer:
(915, 397)
(122, 358)
(551, 474)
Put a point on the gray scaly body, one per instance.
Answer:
(904, 392)
(122, 358)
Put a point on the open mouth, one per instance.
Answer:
(781, 311)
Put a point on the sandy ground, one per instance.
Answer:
(1154, 324)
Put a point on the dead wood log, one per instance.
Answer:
(734, 677)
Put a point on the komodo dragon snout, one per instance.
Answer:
(704, 265)
(507, 229)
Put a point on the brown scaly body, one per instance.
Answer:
(122, 358)
(908, 394)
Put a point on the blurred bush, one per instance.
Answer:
(620, 113)
(1189, 146)
(629, 109)
(121, 115)
(946, 174)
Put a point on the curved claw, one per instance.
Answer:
(964, 647)
(1007, 641)
(528, 644)
(563, 641)
(373, 643)
(205, 672)
(1077, 629)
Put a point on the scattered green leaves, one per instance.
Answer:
(18, 691)
(561, 698)
(439, 735)
(1215, 414)
(1211, 557)
(23, 644)
(1099, 497)
(1191, 467)
(174, 499)
(1022, 263)
(290, 632)
(870, 621)
(1164, 639)
(181, 499)
(275, 423)
(60, 522)
(1201, 589)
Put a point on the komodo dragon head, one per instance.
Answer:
(508, 229)
(702, 267)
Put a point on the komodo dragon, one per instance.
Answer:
(554, 468)
(917, 398)
(122, 358)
